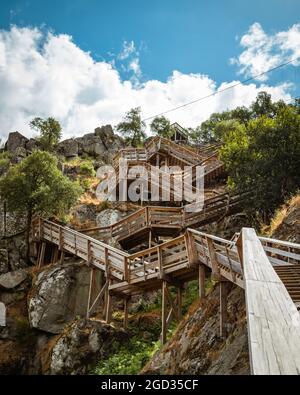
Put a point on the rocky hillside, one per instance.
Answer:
(197, 348)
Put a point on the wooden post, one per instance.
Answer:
(126, 271)
(223, 308)
(157, 159)
(55, 256)
(92, 274)
(159, 257)
(108, 306)
(61, 240)
(201, 281)
(126, 303)
(164, 313)
(213, 260)
(42, 254)
(239, 247)
(62, 257)
(150, 238)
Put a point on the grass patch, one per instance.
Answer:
(128, 360)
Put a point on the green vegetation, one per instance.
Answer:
(161, 126)
(50, 132)
(132, 358)
(86, 168)
(4, 162)
(133, 128)
(128, 360)
(264, 156)
(36, 186)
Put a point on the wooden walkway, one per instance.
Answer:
(151, 221)
(268, 269)
(249, 262)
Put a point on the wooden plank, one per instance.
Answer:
(273, 319)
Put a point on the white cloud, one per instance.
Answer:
(128, 49)
(263, 52)
(42, 74)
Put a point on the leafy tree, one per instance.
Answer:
(263, 106)
(36, 186)
(264, 156)
(132, 127)
(161, 126)
(50, 132)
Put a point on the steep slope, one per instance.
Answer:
(286, 222)
(196, 347)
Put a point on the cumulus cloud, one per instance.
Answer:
(43, 74)
(263, 51)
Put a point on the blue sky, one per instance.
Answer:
(188, 36)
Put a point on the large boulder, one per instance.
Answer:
(69, 148)
(19, 154)
(11, 280)
(15, 140)
(32, 145)
(108, 217)
(83, 343)
(91, 145)
(59, 294)
(4, 267)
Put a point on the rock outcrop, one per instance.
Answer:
(15, 140)
(103, 143)
(11, 280)
(4, 268)
(196, 347)
(59, 294)
(82, 343)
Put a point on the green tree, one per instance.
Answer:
(263, 105)
(264, 156)
(132, 127)
(161, 126)
(50, 132)
(37, 187)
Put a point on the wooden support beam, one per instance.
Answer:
(108, 306)
(62, 257)
(98, 298)
(55, 255)
(191, 249)
(171, 304)
(42, 254)
(91, 285)
(126, 305)
(164, 314)
(201, 281)
(223, 307)
(160, 265)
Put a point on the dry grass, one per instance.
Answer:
(281, 213)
